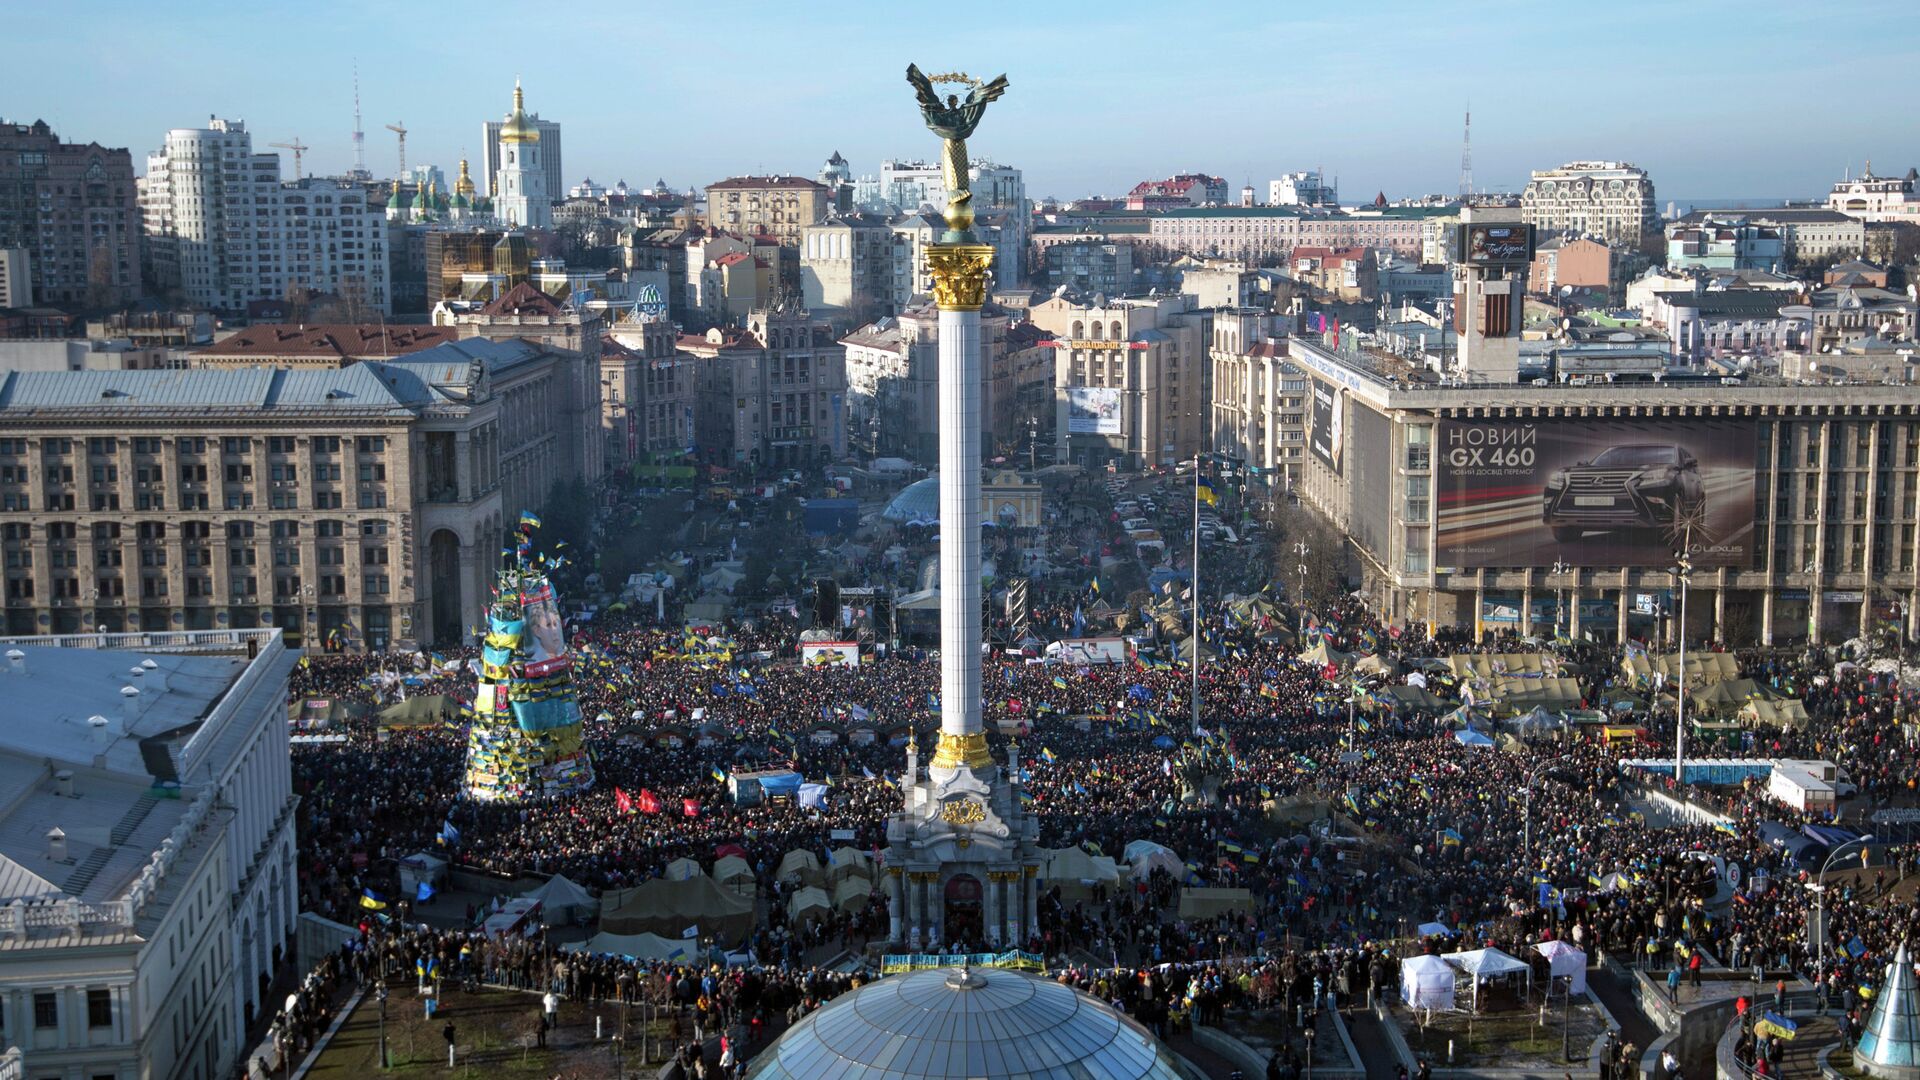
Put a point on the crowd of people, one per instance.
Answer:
(1539, 839)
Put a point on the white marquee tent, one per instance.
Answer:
(1565, 960)
(1426, 982)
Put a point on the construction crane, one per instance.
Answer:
(298, 148)
(400, 129)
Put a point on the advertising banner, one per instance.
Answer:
(1490, 244)
(1327, 423)
(547, 643)
(1093, 410)
(1594, 493)
(817, 654)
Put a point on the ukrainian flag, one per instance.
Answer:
(1449, 838)
(719, 774)
(1048, 755)
(528, 517)
(372, 901)
(1203, 490)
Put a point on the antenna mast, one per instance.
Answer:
(359, 137)
(1466, 157)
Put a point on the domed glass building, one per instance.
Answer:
(986, 1023)
(917, 502)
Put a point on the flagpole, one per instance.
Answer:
(1196, 592)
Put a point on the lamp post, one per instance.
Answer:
(1301, 550)
(1683, 573)
(1820, 899)
(1526, 811)
(1560, 570)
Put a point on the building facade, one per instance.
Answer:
(1088, 265)
(222, 230)
(1806, 234)
(1130, 379)
(1578, 263)
(847, 264)
(358, 506)
(1609, 199)
(778, 206)
(1257, 407)
(1305, 188)
(772, 394)
(1877, 198)
(143, 933)
(16, 278)
(1725, 243)
(662, 394)
(73, 209)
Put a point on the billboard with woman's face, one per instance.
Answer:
(546, 639)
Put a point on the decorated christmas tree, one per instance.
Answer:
(525, 740)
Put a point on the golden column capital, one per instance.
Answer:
(959, 275)
(970, 750)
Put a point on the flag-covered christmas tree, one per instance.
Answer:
(525, 741)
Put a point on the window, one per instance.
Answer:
(236, 445)
(375, 584)
(330, 529)
(101, 447)
(370, 444)
(372, 472)
(326, 444)
(280, 444)
(146, 445)
(46, 1010)
(373, 498)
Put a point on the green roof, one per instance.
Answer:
(1233, 212)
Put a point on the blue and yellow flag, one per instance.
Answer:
(1203, 490)
(372, 901)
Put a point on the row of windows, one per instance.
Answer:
(107, 446)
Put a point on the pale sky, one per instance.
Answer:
(1717, 99)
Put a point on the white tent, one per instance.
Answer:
(562, 901)
(1565, 960)
(1484, 965)
(731, 869)
(1145, 856)
(811, 902)
(638, 946)
(848, 860)
(1436, 929)
(1426, 982)
(682, 869)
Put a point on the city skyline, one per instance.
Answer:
(1390, 125)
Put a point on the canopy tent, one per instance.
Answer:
(1726, 698)
(1077, 873)
(1563, 960)
(1496, 665)
(1198, 903)
(1143, 857)
(1702, 668)
(1520, 694)
(1427, 982)
(800, 865)
(421, 868)
(1436, 929)
(1784, 713)
(845, 862)
(1416, 697)
(809, 903)
(1376, 665)
(670, 908)
(1470, 737)
(1187, 647)
(1320, 654)
(1538, 723)
(421, 711)
(852, 893)
(562, 902)
(733, 872)
(1486, 965)
(681, 869)
(642, 947)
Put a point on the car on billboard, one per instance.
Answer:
(1631, 486)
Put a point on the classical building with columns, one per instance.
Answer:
(148, 890)
(1538, 507)
(361, 506)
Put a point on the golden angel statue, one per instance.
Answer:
(954, 120)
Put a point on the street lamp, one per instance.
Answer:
(381, 995)
(1683, 573)
(1526, 811)
(1820, 899)
(1301, 550)
(1561, 568)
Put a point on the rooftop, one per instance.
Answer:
(339, 342)
(756, 182)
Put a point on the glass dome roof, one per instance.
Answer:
(995, 1023)
(918, 501)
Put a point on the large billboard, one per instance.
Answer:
(1327, 423)
(1489, 244)
(1093, 410)
(1593, 493)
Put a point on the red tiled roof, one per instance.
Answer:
(339, 341)
(731, 258)
(522, 299)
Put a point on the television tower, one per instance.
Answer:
(1466, 157)
(359, 137)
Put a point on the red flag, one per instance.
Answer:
(649, 802)
(691, 807)
(1335, 343)
(622, 801)
(1330, 672)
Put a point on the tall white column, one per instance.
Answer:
(959, 272)
(990, 926)
(896, 903)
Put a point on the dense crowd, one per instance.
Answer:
(1537, 839)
